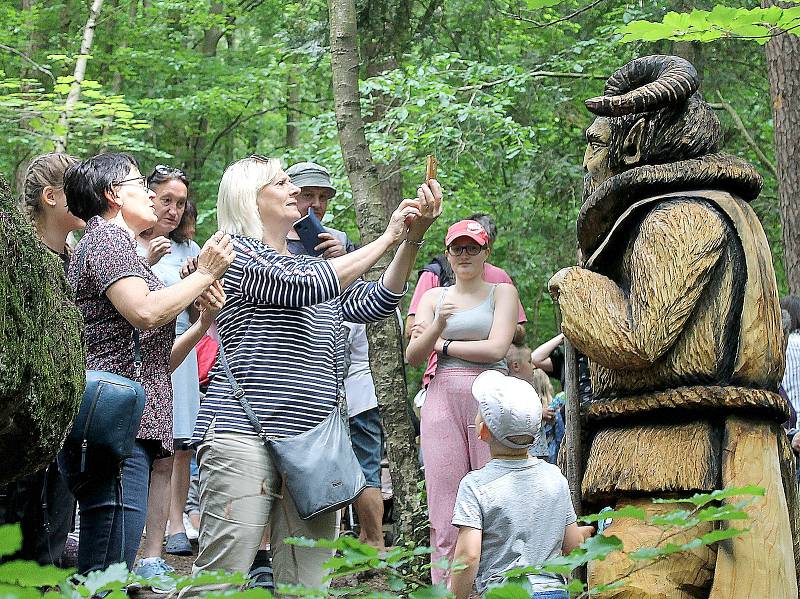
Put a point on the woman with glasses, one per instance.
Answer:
(470, 325)
(122, 301)
(167, 249)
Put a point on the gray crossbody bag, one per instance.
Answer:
(318, 466)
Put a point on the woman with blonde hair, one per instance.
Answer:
(280, 331)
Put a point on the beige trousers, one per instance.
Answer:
(240, 494)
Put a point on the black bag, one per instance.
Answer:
(319, 468)
(111, 408)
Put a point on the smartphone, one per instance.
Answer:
(308, 229)
(430, 167)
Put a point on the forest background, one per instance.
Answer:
(494, 88)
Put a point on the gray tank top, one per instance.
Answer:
(472, 324)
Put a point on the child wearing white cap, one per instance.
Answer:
(516, 511)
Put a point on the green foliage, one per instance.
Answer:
(722, 21)
(402, 570)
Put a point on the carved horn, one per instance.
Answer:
(646, 84)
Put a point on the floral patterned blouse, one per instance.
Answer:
(108, 254)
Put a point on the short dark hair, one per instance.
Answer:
(791, 304)
(86, 182)
(487, 222)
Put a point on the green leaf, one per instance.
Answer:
(701, 499)
(537, 4)
(115, 576)
(508, 591)
(30, 574)
(433, 592)
(628, 511)
(395, 584)
(10, 539)
(722, 534)
(14, 592)
(209, 578)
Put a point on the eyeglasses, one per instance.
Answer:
(141, 180)
(471, 249)
(259, 158)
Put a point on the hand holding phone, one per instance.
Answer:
(308, 229)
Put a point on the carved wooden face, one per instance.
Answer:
(596, 159)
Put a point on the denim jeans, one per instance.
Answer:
(109, 533)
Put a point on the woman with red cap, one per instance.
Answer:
(470, 325)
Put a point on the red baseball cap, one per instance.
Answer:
(467, 228)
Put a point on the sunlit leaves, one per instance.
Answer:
(721, 21)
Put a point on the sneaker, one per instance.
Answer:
(156, 573)
(261, 578)
(178, 544)
(191, 532)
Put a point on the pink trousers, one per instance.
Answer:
(450, 449)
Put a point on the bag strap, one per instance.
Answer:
(238, 393)
(137, 346)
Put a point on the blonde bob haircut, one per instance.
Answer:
(237, 209)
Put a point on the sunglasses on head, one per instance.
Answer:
(163, 170)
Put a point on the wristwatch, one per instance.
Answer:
(444, 347)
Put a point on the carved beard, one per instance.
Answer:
(589, 186)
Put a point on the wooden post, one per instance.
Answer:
(572, 424)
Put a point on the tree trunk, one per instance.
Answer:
(197, 142)
(292, 104)
(783, 66)
(79, 73)
(386, 349)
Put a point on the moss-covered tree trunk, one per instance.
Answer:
(42, 356)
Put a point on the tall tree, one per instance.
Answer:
(783, 66)
(78, 75)
(386, 349)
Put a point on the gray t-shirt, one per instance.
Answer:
(522, 507)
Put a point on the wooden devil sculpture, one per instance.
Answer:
(675, 305)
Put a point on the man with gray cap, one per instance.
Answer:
(366, 433)
(516, 511)
(316, 191)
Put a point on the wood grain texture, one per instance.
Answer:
(680, 576)
(789, 479)
(760, 563)
(727, 399)
(652, 459)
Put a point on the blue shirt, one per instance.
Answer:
(281, 330)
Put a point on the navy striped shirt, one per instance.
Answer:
(281, 328)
